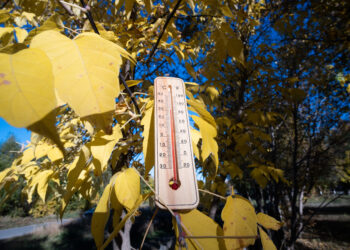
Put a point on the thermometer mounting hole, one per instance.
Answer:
(174, 184)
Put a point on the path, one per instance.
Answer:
(20, 231)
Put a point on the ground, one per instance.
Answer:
(328, 230)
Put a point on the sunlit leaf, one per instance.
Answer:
(86, 70)
(127, 188)
(26, 87)
(209, 144)
(101, 148)
(148, 136)
(199, 224)
(239, 220)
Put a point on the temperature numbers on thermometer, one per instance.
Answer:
(175, 177)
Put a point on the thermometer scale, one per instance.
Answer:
(175, 176)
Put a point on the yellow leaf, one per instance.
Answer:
(191, 83)
(226, 11)
(259, 176)
(127, 188)
(268, 222)
(26, 87)
(200, 109)
(209, 144)
(190, 70)
(102, 121)
(100, 217)
(28, 155)
(4, 173)
(239, 220)
(53, 23)
(235, 49)
(6, 34)
(54, 154)
(266, 241)
(128, 7)
(198, 224)
(213, 93)
(195, 135)
(47, 127)
(86, 70)
(233, 169)
(148, 136)
(102, 147)
(73, 183)
(21, 34)
(41, 150)
(130, 83)
(42, 180)
(13, 48)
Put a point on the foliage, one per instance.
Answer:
(268, 114)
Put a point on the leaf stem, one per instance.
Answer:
(148, 227)
(208, 192)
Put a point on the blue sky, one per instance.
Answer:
(22, 135)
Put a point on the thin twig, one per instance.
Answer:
(163, 30)
(208, 192)
(140, 93)
(63, 3)
(130, 93)
(65, 6)
(74, 31)
(132, 118)
(148, 227)
(221, 237)
(315, 212)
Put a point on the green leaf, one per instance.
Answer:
(239, 220)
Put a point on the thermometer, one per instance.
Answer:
(175, 176)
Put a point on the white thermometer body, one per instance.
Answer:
(175, 176)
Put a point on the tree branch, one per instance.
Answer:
(64, 6)
(163, 30)
(130, 93)
(89, 16)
